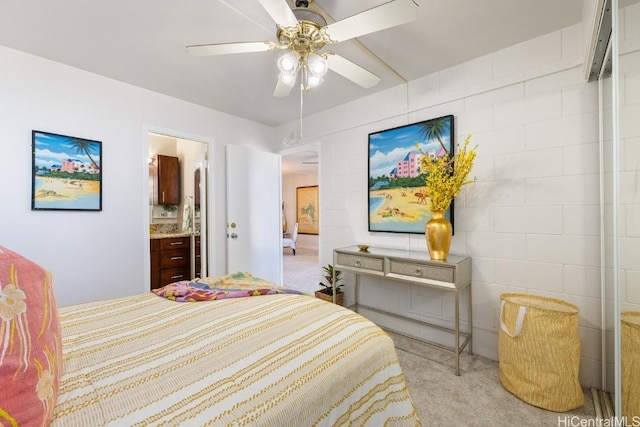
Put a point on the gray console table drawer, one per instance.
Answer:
(364, 262)
(422, 271)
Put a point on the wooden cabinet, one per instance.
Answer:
(155, 263)
(173, 261)
(165, 173)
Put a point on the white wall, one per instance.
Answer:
(530, 222)
(97, 255)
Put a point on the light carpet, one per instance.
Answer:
(301, 271)
(476, 397)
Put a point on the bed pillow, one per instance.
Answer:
(30, 342)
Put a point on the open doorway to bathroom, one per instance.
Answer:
(178, 208)
(299, 169)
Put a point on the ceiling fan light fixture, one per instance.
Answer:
(317, 65)
(289, 62)
(313, 81)
(288, 78)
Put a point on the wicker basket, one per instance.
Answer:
(630, 364)
(329, 298)
(539, 351)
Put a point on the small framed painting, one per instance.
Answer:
(66, 173)
(398, 200)
(307, 209)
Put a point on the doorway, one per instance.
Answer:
(189, 216)
(300, 168)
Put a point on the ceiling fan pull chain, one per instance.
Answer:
(301, 105)
(305, 76)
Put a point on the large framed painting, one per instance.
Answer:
(66, 173)
(398, 201)
(307, 212)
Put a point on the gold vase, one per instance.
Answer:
(438, 234)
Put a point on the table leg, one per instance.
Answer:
(457, 346)
(470, 303)
(355, 293)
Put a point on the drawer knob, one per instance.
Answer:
(357, 263)
(173, 258)
(179, 276)
(418, 272)
(176, 243)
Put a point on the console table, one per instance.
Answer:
(453, 275)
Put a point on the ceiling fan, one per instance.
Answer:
(303, 32)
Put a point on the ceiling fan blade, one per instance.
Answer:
(282, 90)
(352, 71)
(228, 48)
(385, 16)
(280, 12)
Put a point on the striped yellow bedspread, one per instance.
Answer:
(273, 360)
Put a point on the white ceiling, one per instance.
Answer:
(300, 163)
(142, 42)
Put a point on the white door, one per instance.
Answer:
(254, 227)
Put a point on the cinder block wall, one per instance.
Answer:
(531, 221)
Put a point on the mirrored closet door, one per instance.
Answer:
(627, 203)
(619, 84)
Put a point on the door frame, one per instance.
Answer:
(210, 216)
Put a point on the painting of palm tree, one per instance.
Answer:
(84, 146)
(67, 173)
(398, 199)
(436, 129)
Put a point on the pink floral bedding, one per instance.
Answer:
(235, 285)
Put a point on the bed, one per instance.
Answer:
(266, 359)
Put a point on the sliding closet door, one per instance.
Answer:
(628, 204)
(608, 249)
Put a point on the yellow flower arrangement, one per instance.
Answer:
(445, 176)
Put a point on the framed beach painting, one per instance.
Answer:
(398, 201)
(66, 173)
(307, 209)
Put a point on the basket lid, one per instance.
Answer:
(540, 302)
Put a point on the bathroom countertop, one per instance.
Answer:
(170, 235)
